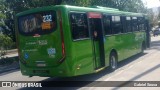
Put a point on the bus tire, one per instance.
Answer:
(113, 61)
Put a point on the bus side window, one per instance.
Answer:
(128, 24)
(123, 22)
(116, 24)
(141, 23)
(79, 26)
(107, 25)
(134, 24)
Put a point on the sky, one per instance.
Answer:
(152, 3)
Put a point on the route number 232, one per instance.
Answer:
(47, 18)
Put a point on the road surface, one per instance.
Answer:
(145, 67)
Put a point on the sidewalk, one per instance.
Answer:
(12, 51)
(11, 55)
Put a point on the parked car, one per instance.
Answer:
(156, 32)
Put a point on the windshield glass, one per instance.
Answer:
(37, 23)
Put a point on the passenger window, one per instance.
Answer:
(123, 23)
(107, 25)
(141, 24)
(116, 25)
(79, 25)
(134, 24)
(128, 24)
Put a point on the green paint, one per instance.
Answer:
(79, 56)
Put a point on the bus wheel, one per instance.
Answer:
(113, 61)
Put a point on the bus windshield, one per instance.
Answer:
(37, 23)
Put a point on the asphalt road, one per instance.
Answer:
(144, 67)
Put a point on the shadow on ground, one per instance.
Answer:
(8, 64)
(77, 82)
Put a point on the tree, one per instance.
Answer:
(21, 5)
(125, 5)
(152, 18)
(5, 44)
(2, 15)
(5, 18)
(77, 2)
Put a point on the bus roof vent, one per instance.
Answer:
(107, 8)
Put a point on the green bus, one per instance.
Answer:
(67, 41)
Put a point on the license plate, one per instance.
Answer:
(41, 65)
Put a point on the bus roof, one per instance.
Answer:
(104, 10)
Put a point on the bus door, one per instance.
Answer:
(96, 31)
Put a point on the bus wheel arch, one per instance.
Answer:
(113, 60)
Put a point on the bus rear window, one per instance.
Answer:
(37, 23)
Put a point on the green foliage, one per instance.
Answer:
(77, 2)
(21, 5)
(5, 42)
(151, 17)
(6, 19)
(2, 15)
(126, 5)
